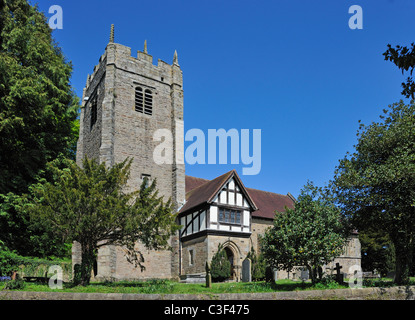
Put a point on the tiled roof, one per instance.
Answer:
(269, 202)
(193, 182)
(199, 191)
(203, 192)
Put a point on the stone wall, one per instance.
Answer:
(89, 142)
(394, 293)
(258, 227)
(156, 263)
(199, 246)
(350, 259)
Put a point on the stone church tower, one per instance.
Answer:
(125, 101)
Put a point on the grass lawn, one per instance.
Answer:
(171, 287)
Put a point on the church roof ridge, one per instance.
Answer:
(254, 189)
(280, 194)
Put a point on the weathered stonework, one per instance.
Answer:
(350, 259)
(258, 228)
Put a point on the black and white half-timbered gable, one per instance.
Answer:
(218, 207)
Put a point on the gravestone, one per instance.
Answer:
(246, 270)
(304, 276)
(208, 276)
(269, 275)
(275, 274)
(339, 275)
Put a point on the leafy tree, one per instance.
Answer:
(220, 267)
(25, 236)
(38, 114)
(91, 206)
(38, 108)
(375, 185)
(404, 58)
(377, 251)
(311, 235)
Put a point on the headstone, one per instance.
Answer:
(294, 276)
(304, 274)
(339, 275)
(275, 274)
(246, 270)
(208, 276)
(269, 274)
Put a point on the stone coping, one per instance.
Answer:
(393, 293)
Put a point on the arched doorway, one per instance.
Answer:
(234, 255)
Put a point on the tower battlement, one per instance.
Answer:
(125, 100)
(120, 56)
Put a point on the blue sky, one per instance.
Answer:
(293, 69)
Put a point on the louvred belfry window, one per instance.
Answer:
(148, 102)
(139, 100)
(143, 101)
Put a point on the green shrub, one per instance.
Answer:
(17, 284)
(259, 265)
(8, 261)
(368, 283)
(220, 267)
(326, 282)
(11, 262)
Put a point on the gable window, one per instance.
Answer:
(229, 216)
(143, 101)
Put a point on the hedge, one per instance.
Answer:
(27, 266)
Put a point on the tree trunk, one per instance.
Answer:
(87, 264)
(312, 274)
(403, 259)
